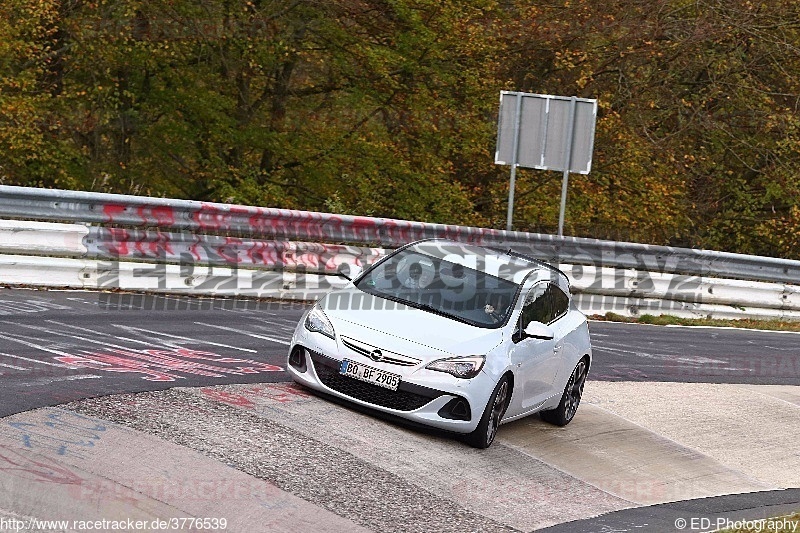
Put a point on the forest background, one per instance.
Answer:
(389, 108)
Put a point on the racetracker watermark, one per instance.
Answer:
(774, 525)
(103, 524)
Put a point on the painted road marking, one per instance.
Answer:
(185, 339)
(242, 332)
(86, 339)
(664, 356)
(157, 364)
(730, 328)
(104, 334)
(38, 347)
(47, 381)
(33, 360)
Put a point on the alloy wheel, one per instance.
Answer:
(575, 390)
(498, 407)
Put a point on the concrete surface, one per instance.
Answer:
(625, 459)
(747, 428)
(501, 483)
(273, 457)
(59, 465)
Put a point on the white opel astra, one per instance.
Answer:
(454, 336)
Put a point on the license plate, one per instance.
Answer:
(369, 374)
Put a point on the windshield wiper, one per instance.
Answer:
(426, 307)
(430, 309)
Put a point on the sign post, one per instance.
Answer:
(515, 151)
(546, 133)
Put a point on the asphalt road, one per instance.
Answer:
(636, 352)
(706, 514)
(59, 346)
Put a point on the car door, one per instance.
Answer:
(561, 326)
(537, 361)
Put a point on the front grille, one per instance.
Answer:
(400, 400)
(385, 356)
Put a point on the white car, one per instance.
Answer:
(454, 336)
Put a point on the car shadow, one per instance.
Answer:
(396, 420)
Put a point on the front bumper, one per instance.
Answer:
(407, 397)
(424, 396)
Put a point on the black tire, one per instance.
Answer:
(571, 399)
(484, 434)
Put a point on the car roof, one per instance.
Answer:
(515, 265)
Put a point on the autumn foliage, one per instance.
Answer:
(389, 108)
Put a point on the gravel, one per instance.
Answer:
(317, 472)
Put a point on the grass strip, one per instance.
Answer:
(668, 320)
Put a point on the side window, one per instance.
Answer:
(560, 302)
(537, 308)
(538, 305)
(544, 303)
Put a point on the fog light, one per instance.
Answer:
(456, 409)
(297, 358)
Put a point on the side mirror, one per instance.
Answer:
(537, 330)
(353, 271)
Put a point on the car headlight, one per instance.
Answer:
(316, 321)
(460, 367)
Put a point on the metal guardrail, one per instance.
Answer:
(176, 223)
(146, 260)
(154, 244)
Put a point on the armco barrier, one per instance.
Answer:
(218, 250)
(597, 304)
(162, 278)
(259, 224)
(225, 281)
(155, 244)
(25, 237)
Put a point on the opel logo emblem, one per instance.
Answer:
(376, 355)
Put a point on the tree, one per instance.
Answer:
(389, 108)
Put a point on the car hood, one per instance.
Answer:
(406, 330)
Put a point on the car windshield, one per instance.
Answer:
(443, 284)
